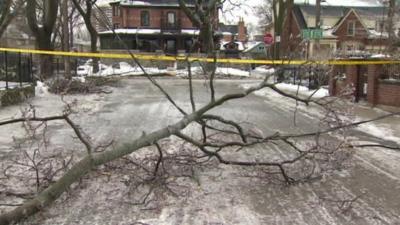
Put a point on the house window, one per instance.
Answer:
(116, 10)
(116, 25)
(171, 18)
(144, 18)
(351, 28)
(380, 26)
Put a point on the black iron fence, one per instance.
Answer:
(16, 70)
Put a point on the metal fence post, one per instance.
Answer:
(19, 69)
(76, 67)
(6, 67)
(30, 62)
(57, 66)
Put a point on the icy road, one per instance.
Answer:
(223, 197)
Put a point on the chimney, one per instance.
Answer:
(241, 31)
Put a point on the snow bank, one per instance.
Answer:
(41, 89)
(120, 69)
(320, 93)
(224, 71)
(263, 69)
(125, 69)
(380, 131)
(293, 89)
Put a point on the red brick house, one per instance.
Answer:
(150, 26)
(346, 30)
(234, 32)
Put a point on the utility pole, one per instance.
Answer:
(317, 21)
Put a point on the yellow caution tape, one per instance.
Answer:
(183, 58)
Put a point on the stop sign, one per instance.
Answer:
(268, 39)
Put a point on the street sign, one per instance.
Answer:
(268, 39)
(278, 39)
(311, 34)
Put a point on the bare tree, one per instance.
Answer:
(203, 16)
(65, 36)
(86, 12)
(390, 26)
(280, 8)
(9, 9)
(42, 18)
(219, 137)
(265, 12)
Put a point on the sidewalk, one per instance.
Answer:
(387, 129)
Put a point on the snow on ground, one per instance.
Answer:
(223, 71)
(301, 90)
(127, 70)
(41, 89)
(292, 89)
(12, 85)
(264, 70)
(382, 131)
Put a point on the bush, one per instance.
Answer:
(65, 86)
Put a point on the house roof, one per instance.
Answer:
(343, 3)
(254, 45)
(233, 29)
(299, 18)
(349, 12)
(340, 11)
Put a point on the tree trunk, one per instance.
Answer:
(87, 17)
(65, 38)
(43, 30)
(43, 42)
(391, 32)
(6, 16)
(93, 48)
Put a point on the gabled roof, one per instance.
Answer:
(341, 21)
(298, 15)
(255, 45)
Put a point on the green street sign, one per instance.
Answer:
(311, 34)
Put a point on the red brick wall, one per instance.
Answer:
(379, 92)
(388, 93)
(241, 31)
(130, 17)
(343, 87)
